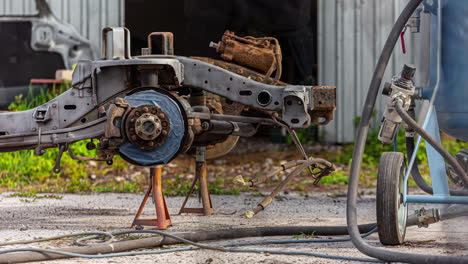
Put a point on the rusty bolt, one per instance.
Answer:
(137, 113)
(151, 143)
(102, 109)
(164, 123)
(145, 109)
(154, 111)
(205, 125)
(164, 133)
(161, 115)
(132, 120)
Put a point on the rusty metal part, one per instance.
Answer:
(107, 158)
(220, 146)
(243, 71)
(221, 149)
(167, 43)
(216, 145)
(163, 219)
(118, 50)
(204, 193)
(147, 126)
(324, 98)
(257, 180)
(326, 166)
(115, 115)
(263, 54)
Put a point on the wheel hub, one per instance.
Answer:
(155, 128)
(147, 126)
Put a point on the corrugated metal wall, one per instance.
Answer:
(351, 34)
(87, 16)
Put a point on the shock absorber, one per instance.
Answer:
(401, 88)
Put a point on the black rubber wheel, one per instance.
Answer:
(391, 212)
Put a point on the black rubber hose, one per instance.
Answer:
(351, 207)
(195, 236)
(410, 148)
(436, 145)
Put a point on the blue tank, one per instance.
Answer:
(451, 103)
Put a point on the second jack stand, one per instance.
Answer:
(204, 193)
(163, 219)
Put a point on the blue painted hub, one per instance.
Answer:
(166, 152)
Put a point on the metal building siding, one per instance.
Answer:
(87, 16)
(351, 35)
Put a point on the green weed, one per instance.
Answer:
(304, 236)
(33, 194)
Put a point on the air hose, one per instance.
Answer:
(107, 249)
(351, 207)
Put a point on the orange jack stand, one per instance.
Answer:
(163, 219)
(204, 193)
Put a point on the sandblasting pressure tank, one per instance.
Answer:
(451, 103)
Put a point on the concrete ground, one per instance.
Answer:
(22, 219)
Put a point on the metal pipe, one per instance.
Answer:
(243, 119)
(423, 217)
(267, 200)
(453, 211)
(231, 128)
